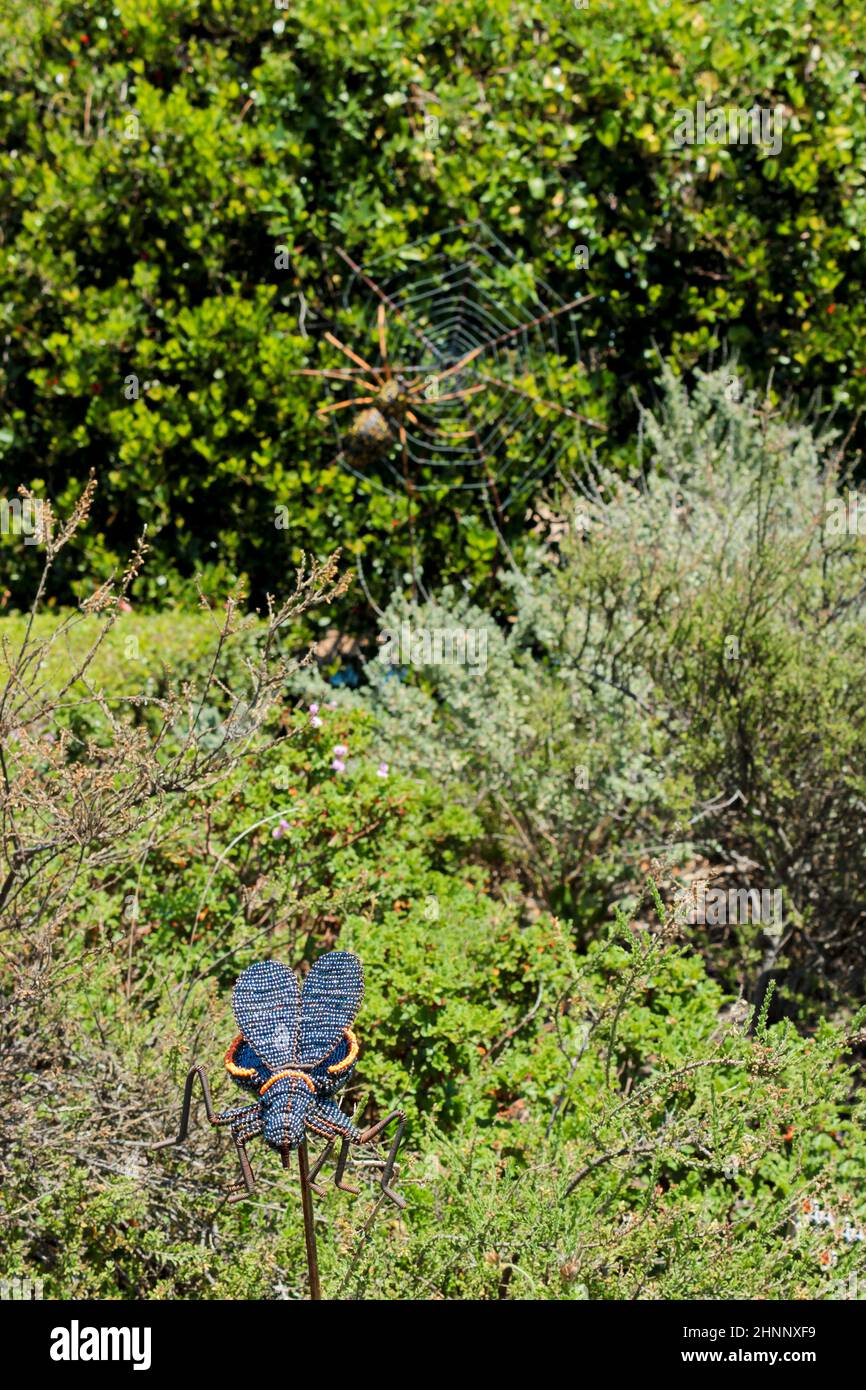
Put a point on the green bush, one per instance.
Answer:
(683, 672)
(157, 158)
(581, 1126)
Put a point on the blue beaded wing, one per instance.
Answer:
(331, 997)
(266, 1003)
(245, 1066)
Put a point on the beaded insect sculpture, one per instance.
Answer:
(295, 1050)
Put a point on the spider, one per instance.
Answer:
(389, 399)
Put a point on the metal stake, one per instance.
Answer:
(309, 1225)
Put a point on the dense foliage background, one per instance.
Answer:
(157, 155)
(605, 1099)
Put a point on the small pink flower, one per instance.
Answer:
(124, 606)
(279, 830)
(338, 765)
(340, 750)
(382, 770)
(314, 709)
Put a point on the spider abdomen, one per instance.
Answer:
(370, 434)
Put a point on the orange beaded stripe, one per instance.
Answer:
(328, 1133)
(231, 1065)
(354, 1048)
(278, 1076)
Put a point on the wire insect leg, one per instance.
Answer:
(195, 1071)
(341, 1167)
(371, 1134)
(245, 1126)
(318, 1166)
(247, 1186)
(225, 1117)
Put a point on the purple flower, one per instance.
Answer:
(340, 750)
(314, 717)
(279, 830)
(382, 770)
(338, 765)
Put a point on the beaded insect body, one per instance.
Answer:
(295, 1050)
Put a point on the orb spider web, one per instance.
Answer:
(471, 350)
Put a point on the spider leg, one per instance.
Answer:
(539, 400)
(353, 357)
(449, 434)
(452, 395)
(383, 338)
(410, 514)
(385, 300)
(499, 521)
(370, 1135)
(438, 429)
(340, 374)
(341, 405)
(459, 395)
(463, 361)
(533, 323)
(511, 333)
